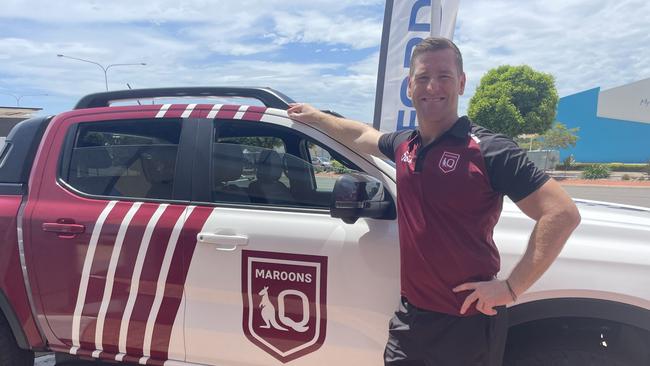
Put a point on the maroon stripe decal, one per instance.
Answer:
(254, 113)
(227, 111)
(123, 276)
(201, 110)
(176, 282)
(150, 271)
(98, 272)
(176, 110)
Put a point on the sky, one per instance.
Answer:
(324, 52)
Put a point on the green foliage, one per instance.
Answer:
(626, 177)
(559, 137)
(263, 142)
(614, 167)
(568, 162)
(339, 168)
(529, 142)
(596, 171)
(515, 100)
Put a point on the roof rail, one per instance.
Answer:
(269, 97)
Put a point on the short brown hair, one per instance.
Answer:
(431, 44)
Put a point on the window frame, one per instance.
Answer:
(209, 129)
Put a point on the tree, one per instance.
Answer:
(559, 137)
(515, 100)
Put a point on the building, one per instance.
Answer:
(614, 124)
(10, 116)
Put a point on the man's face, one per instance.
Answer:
(434, 86)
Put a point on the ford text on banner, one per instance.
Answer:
(406, 23)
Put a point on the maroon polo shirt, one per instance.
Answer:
(449, 198)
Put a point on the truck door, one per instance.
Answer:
(105, 224)
(272, 277)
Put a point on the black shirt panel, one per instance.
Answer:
(389, 142)
(510, 171)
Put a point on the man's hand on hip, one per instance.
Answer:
(486, 295)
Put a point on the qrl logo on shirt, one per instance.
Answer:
(284, 302)
(448, 162)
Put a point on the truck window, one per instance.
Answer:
(260, 164)
(134, 159)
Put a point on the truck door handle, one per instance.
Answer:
(223, 241)
(66, 228)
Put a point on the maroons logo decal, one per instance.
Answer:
(284, 302)
(448, 162)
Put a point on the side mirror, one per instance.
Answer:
(358, 195)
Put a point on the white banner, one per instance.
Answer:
(406, 23)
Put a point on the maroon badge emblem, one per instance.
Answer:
(448, 162)
(284, 299)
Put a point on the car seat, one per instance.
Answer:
(267, 188)
(227, 166)
(158, 166)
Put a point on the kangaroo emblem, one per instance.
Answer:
(268, 311)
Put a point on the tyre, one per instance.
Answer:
(565, 351)
(569, 357)
(10, 353)
(576, 342)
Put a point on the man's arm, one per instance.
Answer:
(355, 134)
(557, 216)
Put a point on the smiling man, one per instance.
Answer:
(451, 178)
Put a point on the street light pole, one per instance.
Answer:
(104, 69)
(19, 97)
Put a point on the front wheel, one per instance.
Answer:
(10, 353)
(560, 352)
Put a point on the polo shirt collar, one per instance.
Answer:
(460, 129)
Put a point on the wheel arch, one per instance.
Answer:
(579, 307)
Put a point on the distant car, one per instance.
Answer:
(321, 161)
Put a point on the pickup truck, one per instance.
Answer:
(201, 234)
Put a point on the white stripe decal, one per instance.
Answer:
(188, 111)
(240, 112)
(163, 110)
(85, 276)
(110, 276)
(215, 110)
(96, 354)
(135, 280)
(162, 280)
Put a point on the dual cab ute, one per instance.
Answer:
(201, 234)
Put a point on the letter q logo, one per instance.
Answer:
(448, 162)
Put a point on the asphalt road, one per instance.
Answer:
(636, 196)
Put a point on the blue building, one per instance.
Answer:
(614, 124)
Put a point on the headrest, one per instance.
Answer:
(227, 162)
(269, 166)
(158, 163)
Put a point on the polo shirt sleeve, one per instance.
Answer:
(511, 172)
(389, 142)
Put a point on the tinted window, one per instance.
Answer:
(135, 159)
(261, 164)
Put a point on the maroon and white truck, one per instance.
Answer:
(202, 234)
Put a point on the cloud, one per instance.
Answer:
(584, 45)
(321, 51)
(316, 27)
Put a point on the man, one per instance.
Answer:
(451, 178)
